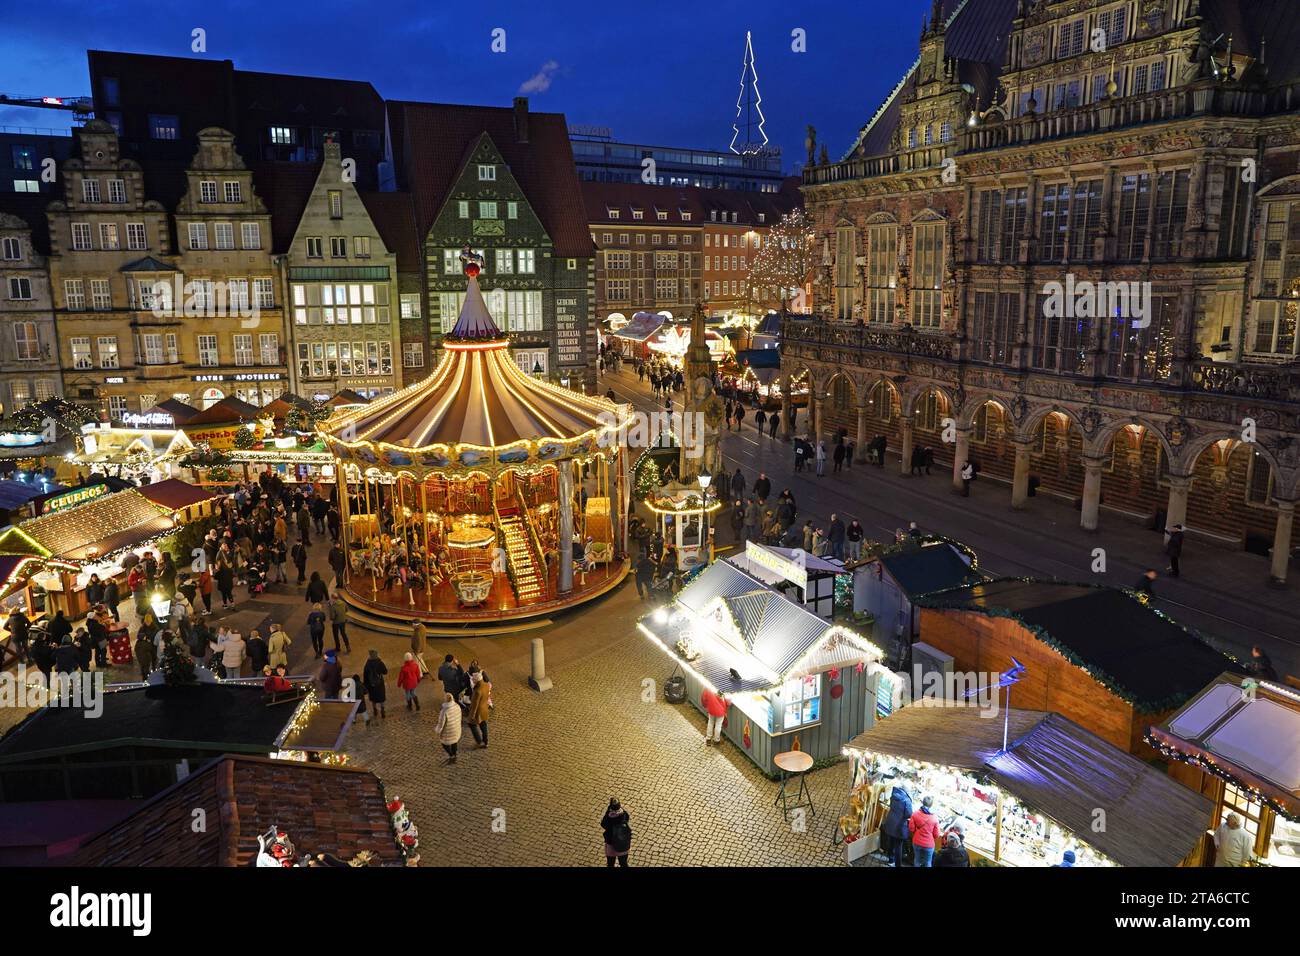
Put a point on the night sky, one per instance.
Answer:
(659, 73)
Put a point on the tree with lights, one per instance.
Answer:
(177, 664)
(784, 262)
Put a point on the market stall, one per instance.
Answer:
(631, 337)
(684, 515)
(1238, 743)
(792, 680)
(886, 584)
(133, 452)
(478, 445)
(1029, 804)
(806, 578)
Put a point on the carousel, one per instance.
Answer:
(480, 494)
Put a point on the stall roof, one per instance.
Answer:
(15, 494)
(641, 327)
(777, 632)
(106, 524)
(323, 809)
(759, 358)
(1253, 740)
(174, 494)
(180, 412)
(226, 411)
(810, 562)
(1056, 767)
(1131, 648)
(930, 568)
(769, 324)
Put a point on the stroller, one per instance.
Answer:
(256, 579)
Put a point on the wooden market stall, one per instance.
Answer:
(1097, 655)
(1028, 804)
(804, 578)
(793, 680)
(886, 584)
(1238, 743)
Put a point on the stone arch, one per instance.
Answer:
(881, 219)
(909, 400)
(973, 403)
(1034, 417)
(1101, 441)
(891, 390)
(854, 394)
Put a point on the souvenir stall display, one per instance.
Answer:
(470, 484)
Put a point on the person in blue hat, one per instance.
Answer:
(1067, 859)
(331, 676)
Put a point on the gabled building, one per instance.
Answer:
(1036, 158)
(502, 181)
(341, 286)
(29, 353)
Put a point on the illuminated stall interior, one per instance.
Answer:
(463, 494)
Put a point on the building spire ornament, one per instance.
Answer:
(749, 112)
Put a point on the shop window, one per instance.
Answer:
(800, 701)
(881, 402)
(927, 412)
(841, 394)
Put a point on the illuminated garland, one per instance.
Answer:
(302, 715)
(934, 600)
(1209, 766)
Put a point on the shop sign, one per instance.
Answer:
(115, 380)
(70, 499)
(148, 420)
(568, 338)
(222, 438)
(21, 439)
(792, 571)
(256, 376)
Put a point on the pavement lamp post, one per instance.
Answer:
(705, 479)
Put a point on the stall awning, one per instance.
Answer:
(1252, 738)
(759, 358)
(642, 326)
(15, 494)
(1057, 768)
(930, 568)
(174, 494)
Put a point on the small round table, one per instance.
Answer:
(799, 763)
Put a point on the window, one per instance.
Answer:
(412, 355)
(487, 172)
(512, 210)
(198, 233)
(46, 388)
(314, 247)
(109, 238)
(505, 260)
(250, 235)
(207, 190)
(117, 407)
(237, 294)
(1059, 343)
(79, 348)
(336, 203)
(1069, 39)
(282, 135)
(450, 261)
(607, 238)
(338, 247)
(173, 354)
(74, 294)
(845, 271)
(409, 306)
(1279, 274)
(487, 210)
(618, 260)
(927, 274)
(163, 126)
(27, 343)
(101, 298)
(801, 698)
(151, 349)
(208, 354)
(1001, 224)
(666, 290)
(26, 186)
(1259, 480)
(1234, 214)
(225, 235)
(1134, 214)
(12, 249)
(243, 348)
(232, 190)
(24, 157)
(81, 236)
(361, 247)
(268, 344)
(462, 209)
(618, 290)
(135, 236)
(994, 326)
(20, 288)
(528, 261)
(1067, 95)
(1111, 22)
(1142, 354)
(20, 392)
(90, 190)
(107, 345)
(531, 362)
(116, 191)
(1170, 213)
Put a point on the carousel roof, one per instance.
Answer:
(477, 396)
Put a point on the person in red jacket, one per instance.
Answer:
(924, 827)
(715, 707)
(408, 678)
(276, 682)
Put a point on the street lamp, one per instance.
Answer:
(537, 369)
(705, 479)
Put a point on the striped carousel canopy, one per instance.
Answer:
(476, 407)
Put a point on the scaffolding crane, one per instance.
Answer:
(80, 105)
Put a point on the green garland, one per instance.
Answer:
(1195, 760)
(934, 600)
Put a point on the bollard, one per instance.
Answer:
(538, 680)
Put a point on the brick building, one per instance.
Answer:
(29, 353)
(1103, 143)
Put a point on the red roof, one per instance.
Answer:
(434, 140)
(394, 216)
(225, 412)
(323, 809)
(176, 494)
(600, 199)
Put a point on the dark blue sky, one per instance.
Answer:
(664, 73)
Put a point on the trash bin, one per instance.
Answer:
(675, 689)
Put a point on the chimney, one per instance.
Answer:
(521, 119)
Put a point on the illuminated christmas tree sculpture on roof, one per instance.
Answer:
(749, 113)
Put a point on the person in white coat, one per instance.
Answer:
(448, 728)
(1233, 846)
(231, 649)
(821, 459)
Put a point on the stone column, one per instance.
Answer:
(818, 419)
(566, 527)
(960, 453)
(786, 405)
(1176, 510)
(1282, 542)
(860, 448)
(1091, 507)
(905, 449)
(1020, 480)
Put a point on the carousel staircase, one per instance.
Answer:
(529, 578)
